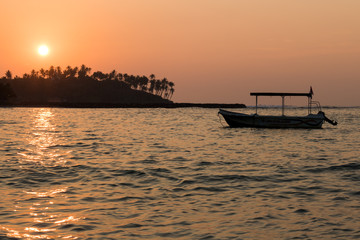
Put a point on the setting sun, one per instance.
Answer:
(43, 50)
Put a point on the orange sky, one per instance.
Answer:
(214, 51)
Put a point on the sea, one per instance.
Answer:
(156, 173)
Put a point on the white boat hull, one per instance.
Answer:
(245, 120)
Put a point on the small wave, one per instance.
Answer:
(349, 166)
(82, 228)
(162, 173)
(128, 172)
(56, 146)
(205, 163)
(66, 226)
(131, 225)
(301, 210)
(148, 161)
(8, 122)
(90, 138)
(343, 167)
(93, 199)
(124, 199)
(178, 189)
(175, 234)
(356, 193)
(230, 178)
(340, 198)
(210, 189)
(162, 170)
(187, 182)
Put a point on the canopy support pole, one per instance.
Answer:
(256, 104)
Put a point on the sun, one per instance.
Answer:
(43, 50)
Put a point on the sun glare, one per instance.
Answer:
(43, 50)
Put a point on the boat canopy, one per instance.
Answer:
(283, 95)
(309, 94)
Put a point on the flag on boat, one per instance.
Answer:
(311, 92)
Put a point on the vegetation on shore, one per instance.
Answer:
(78, 85)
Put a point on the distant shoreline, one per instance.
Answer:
(127, 105)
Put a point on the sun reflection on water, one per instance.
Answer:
(48, 193)
(44, 216)
(40, 206)
(43, 140)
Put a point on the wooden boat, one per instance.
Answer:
(265, 121)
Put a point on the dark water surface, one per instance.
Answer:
(175, 174)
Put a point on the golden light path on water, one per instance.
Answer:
(42, 137)
(41, 202)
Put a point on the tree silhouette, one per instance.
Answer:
(119, 77)
(34, 74)
(172, 90)
(164, 87)
(61, 85)
(158, 87)
(152, 86)
(51, 72)
(8, 75)
(70, 72)
(83, 72)
(99, 76)
(43, 73)
(58, 73)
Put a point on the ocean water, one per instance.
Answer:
(175, 174)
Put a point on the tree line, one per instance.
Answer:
(160, 87)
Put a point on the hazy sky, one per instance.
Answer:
(213, 50)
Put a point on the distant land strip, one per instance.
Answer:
(126, 105)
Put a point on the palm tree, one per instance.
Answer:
(52, 72)
(112, 75)
(58, 73)
(127, 79)
(34, 74)
(135, 81)
(8, 75)
(119, 77)
(43, 73)
(157, 87)
(152, 77)
(143, 83)
(99, 76)
(172, 90)
(74, 71)
(152, 85)
(83, 72)
(164, 87)
(26, 76)
(70, 72)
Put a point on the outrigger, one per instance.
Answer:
(266, 121)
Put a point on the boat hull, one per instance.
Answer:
(244, 120)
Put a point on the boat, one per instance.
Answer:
(311, 120)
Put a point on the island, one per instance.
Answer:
(76, 87)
